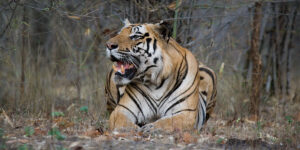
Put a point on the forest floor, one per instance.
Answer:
(62, 132)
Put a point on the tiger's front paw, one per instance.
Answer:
(147, 128)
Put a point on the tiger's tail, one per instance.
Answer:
(207, 95)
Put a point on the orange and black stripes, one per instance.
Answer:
(210, 78)
(168, 83)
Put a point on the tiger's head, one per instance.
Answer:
(139, 52)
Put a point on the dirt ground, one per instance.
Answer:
(63, 133)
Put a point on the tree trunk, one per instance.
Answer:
(256, 59)
(23, 56)
(288, 47)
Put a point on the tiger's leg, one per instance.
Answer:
(180, 118)
(183, 121)
(121, 119)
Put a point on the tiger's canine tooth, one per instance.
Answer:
(122, 69)
(115, 68)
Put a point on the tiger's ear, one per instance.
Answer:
(126, 22)
(164, 29)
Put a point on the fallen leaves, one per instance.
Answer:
(7, 119)
(187, 138)
(87, 32)
(297, 117)
(172, 5)
(17, 141)
(74, 145)
(39, 131)
(74, 17)
(103, 138)
(63, 123)
(92, 133)
(252, 119)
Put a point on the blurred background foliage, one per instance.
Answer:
(52, 53)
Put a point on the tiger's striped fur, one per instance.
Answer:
(166, 88)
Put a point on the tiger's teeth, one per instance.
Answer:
(122, 69)
(115, 68)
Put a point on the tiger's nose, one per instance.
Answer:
(111, 45)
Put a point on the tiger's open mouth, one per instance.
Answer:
(124, 69)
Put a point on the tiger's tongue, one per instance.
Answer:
(120, 67)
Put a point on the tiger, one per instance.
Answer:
(155, 83)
